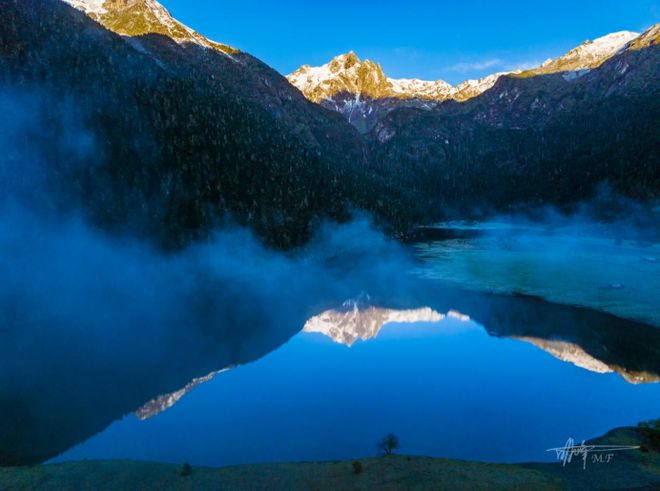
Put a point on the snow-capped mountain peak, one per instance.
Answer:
(347, 74)
(139, 17)
(346, 61)
(362, 92)
(589, 54)
(343, 74)
(609, 44)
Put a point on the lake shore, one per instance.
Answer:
(638, 469)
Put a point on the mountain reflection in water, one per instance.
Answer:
(90, 399)
(442, 382)
(357, 320)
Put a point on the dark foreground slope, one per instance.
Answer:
(630, 469)
(168, 140)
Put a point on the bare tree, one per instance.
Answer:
(389, 444)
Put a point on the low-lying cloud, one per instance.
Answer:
(93, 324)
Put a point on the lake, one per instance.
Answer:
(446, 388)
(305, 370)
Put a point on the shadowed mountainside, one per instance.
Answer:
(181, 137)
(534, 140)
(183, 134)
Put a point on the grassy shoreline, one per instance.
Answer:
(633, 469)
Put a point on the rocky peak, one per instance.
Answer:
(344, 74)
(140, 17)
(650, 37)
(344, 62)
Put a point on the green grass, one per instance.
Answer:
(383, 473)
(629, 469)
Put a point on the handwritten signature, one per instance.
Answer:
(602, 453)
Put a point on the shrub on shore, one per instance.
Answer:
(186, 469)
(650, 432)
(388, 444)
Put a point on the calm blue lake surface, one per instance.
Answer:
(446, 388)
(486, 343)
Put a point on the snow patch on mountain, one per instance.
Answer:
(88, 6)
(421, 88)
(570, 76)
(607, 45)
(308, 77)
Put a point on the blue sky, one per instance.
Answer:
(450, 40)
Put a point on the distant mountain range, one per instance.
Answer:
(536, 138)
(189, 133)
(362, 93)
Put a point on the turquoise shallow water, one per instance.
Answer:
(576, 267)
